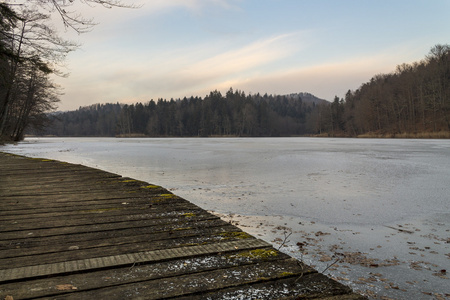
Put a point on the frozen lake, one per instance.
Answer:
(360, 193)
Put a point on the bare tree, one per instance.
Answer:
(34, 94)
(30, 42)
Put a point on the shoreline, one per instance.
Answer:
(400, 267)
(369, 135)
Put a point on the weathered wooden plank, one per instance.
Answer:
(23, 187)
(50, 204)
(123, 215)
(87, 213)
(36, 271)
(106, 194)
(75, 198)
(311, 286)
(21, 247)
(89, 179)
(18, 228)
(206, 237)
(112, 190)
(157, 220)
(243, 282)
(119, 204)
(22, 175)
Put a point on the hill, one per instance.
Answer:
(308, 98)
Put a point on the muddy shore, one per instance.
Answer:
(411, 261)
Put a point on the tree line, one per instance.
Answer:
(232, 114)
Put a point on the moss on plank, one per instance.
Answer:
(235, 235)
(102, 210)
(189, 215)
(150, 186)
(257, 254)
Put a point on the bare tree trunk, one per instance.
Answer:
(12, 78)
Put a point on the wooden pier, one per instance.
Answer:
(73, 232)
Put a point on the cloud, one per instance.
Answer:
(176, 73)
(236, 62)
(111, 20)
(193, 5)
(150, 8)
(322, 80)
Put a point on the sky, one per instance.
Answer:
(176, 48)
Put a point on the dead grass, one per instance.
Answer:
(408, 135)
(131, 135)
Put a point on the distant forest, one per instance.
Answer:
(415, 98)
(232, 114)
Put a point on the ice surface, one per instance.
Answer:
(357, 190)
(326, 180)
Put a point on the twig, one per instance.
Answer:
(301, 266)
(329, 266)
(401, 230)
(285, 239)
(133, 265)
